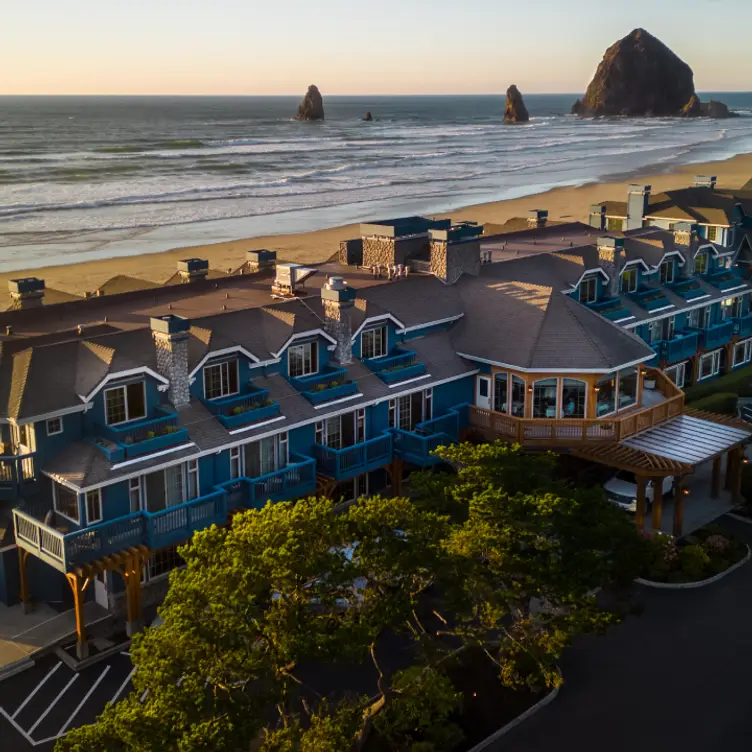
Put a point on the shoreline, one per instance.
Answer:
(568, 203)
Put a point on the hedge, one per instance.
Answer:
(737, 382)
(722, 402)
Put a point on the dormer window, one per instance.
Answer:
(589, 290)
(629, 280)
(701, 263)
(221, 379)
(302, 360)
(667, 272)
(373, 343)
(125, 403)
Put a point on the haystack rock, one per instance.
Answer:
(368, 117)
(515, 111)
(312, 106)
(640, 77)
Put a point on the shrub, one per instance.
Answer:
(693, 561)
(721, 402)
(737, 382)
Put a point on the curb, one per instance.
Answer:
(739, 518)
(11, 669)
(699, 583)
(504, 730)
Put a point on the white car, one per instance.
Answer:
(622, 490)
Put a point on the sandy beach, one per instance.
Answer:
(567, 204)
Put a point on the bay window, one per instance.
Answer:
(701, 263)
(518, 397)
(125, 403)
(605, 390)
(589, 290)
(628, 380)
(667, 272)
(501, 388)
(302, 360)
(545, 398)
(221, 379)
(742, 352)
(573, 398)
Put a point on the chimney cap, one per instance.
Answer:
(262, 254)
(336, 283)
(537, 213)
(638, 188)
(685, 227)
(598, 208)
(25, 285)
(193, 265)
(169, 324)
(606, 241)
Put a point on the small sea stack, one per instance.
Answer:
(368, 117)
(312, 106)
(515, 110)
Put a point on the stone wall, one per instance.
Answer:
(449, 261)
(172, 363)
(389, 251)
(339, 326)
(611, 261)
(351, 252)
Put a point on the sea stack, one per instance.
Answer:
(368, 117)
(640, 76)
(312, 106)
(515, 111)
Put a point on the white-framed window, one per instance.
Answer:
(407, 411)
(725, 263)
(360, 425)
(302, 360)
(669, 327)
(329, 432)
(728, 308)
(742, 352)
(629, 280)
(373, 343)
(655, 331)
(428, 403)
(221, 379)
(545, 393)
(93, 506)
(677, 374)
(573, 398)
(23, 438)
(54, 426)
(194, 489)
(738, 306)
(667, 272)
(693, 318)
(135, 494)
(125, 403)
(713, 233)
(236, 463)
(162, 562)
(710, 365)
(703, 316)
(589, 290)
(65, 501)
(701, 263)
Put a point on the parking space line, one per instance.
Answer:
(122, 686)
(143, 696)
(52, 704)
(80, 704)
(18, 728)
(37, 688)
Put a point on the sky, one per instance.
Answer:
(353, 47)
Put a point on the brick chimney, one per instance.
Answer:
(338, 300)
(537, 218)
(455, 252)
(706, 181)
(638, 197)
(193, 269)
(687, 241)
(28, 292)
(611, 260)
(170, 334)
(259, 260)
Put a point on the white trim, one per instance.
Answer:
(150, 457)
(55, 504)
(97, 491)
(123, 375)
(666, 256)
(556, 370)
(219, 365)
(127, 418)
(376, 319)
(635, 262)
(47, 426)
(337, 401)
(256, 425)
(626, 318)
(46, 416)
(692, 307)
(664, 308)
(415, 327)
(410, 381)
(229, 351)
(731, 289)
(304, 335)
(595, 270)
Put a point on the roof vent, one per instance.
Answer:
(193, 269)
(261, 259)
(289, 279)
(537, 218)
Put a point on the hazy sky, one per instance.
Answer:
(351, 46)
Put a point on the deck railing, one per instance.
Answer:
(717, 335)
(297, 479)
(140, 437)
(570, 431)
(42, 540)
(178, 523)
(683, 345)
(743, 325)
(400, 365)
(348, 462)
(16, 472)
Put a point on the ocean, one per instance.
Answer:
(87, 177)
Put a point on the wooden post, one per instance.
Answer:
(715, 485)
(397, 468)
(82, 646)
(25, 592)
(131, 571)
(679, 506)
(736, 481)
(730, 459)
(657, 503)
(640, 511)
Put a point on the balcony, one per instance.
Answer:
(682, 346)
(401, 365)
(717, 335)
(651, 299)
(667, 401)
(725, 279)
(342, 464)
(417, 446)
(17, 475)
(243, 409)
(137, 438)
(611, 308)
(743, 326)
(325, 386)
(688, 289)
(177, 524)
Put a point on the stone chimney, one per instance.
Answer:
(597, 217)
(638, 197)
(170, 334)
(338, 300)
(28, 292)
(537, 218)
(611, 260)
(193, 269)
(706, 181)
(687, 241)
(259, 260)
(455, 252)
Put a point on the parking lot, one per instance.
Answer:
(43, 703)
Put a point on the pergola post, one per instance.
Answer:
(657, 503)
(736, 480)
(640, 511)
(730, 459)
(78, 585)
(397, 469)
(24, 577)
(679, 506)
(715, 484)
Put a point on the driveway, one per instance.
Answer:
(678, 677)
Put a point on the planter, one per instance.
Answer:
(649, 383)
(698, 583)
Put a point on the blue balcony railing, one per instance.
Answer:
(650, 298)
(417, 446)
(725, 279)
(682, 346)
(689, 289)
(141, 437)
(717, 335)
(178, 523)
(325, 386)
(242, 409)
(401, 365)
(743, 325)
(18, 475)
(342, 464)
(611, 308)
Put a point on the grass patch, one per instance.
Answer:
(737, 382)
